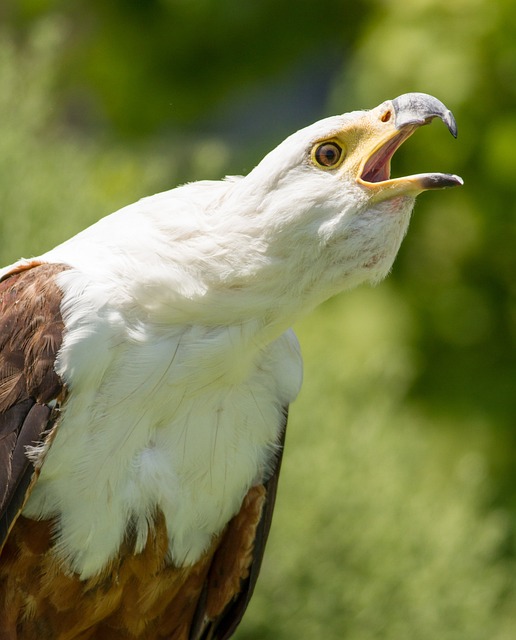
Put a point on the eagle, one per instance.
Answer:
(146, 369)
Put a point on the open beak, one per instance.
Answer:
(394, 122)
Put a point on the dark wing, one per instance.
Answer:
(236, 563)
(31, 330)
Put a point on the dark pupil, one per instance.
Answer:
(327, 154)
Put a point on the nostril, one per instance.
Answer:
(386, 116)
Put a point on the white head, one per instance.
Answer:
(320, 212)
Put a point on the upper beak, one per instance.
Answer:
(420, 108)
(393, 122)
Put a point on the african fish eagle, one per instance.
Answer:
(146, 368)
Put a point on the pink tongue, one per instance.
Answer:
(378, 167)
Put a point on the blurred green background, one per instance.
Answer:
(397, 507)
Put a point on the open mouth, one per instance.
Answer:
(377, 168)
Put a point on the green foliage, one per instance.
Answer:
(188, 55)
(394, 517)
(380, 531)
(52, 183)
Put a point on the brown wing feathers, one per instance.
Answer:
(30, 336)
(138, 596)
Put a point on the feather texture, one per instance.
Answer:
(30, 335)
(137, 595)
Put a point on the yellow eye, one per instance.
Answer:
(327, 155)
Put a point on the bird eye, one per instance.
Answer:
(327, 155)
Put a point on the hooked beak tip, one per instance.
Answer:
(419, 109)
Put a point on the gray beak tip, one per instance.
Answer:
(450, 122)
(420, 109)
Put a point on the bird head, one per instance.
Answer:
(325, 199)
